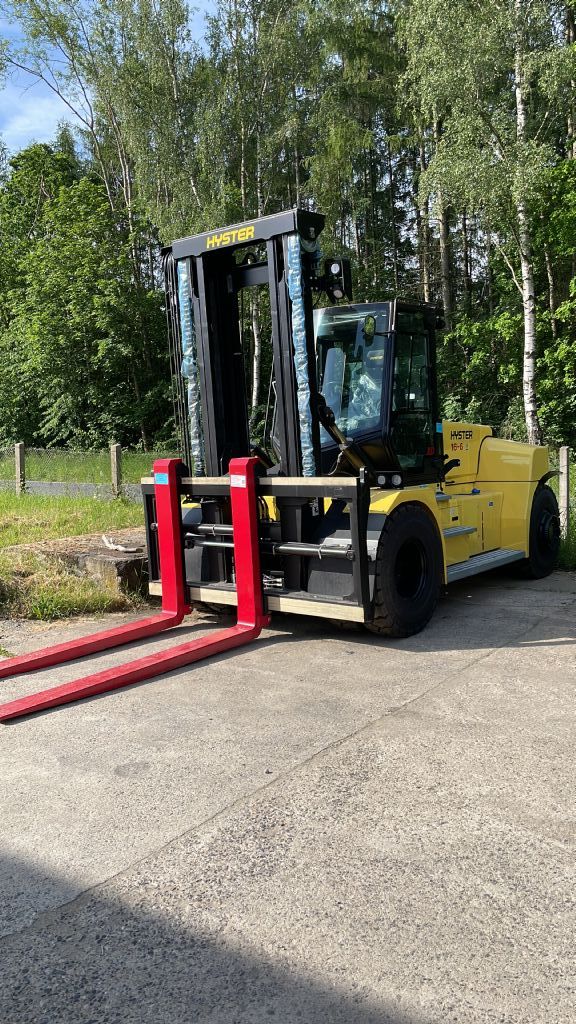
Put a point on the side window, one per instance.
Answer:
(412, 429)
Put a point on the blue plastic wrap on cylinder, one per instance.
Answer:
(295, 290)
(190, 368)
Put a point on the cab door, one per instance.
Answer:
(413, 395)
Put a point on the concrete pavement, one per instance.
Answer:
(323, 827)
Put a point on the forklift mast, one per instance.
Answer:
(204, 275)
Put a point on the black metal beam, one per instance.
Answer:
(262, 229)
(283, 356)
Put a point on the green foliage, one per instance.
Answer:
(83, 343)
(393, 119)
(479, 371)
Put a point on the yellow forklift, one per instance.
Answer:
(359, 506)
(368, 504)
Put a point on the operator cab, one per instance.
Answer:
(375, 365)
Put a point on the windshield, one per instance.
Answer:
(350, 347)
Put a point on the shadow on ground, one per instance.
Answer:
(97, 961)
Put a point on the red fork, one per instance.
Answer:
(251, 615)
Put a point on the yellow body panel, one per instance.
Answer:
(464, 441)
(485, 502)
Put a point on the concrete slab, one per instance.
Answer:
(322, 827)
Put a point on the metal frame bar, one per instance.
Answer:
(308, 224)
(353, 492)
(251, 615)
(283, 359)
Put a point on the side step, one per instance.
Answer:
(482, 563)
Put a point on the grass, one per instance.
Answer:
(54, 464)
(37, 586)
(27, 518)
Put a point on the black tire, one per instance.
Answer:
(409, 565)
(544, 536)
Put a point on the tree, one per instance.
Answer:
(82, 345)
(439, 147)
(485, 78)
(82, 324)
(30, 180)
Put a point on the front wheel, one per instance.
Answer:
(544, 535)
(409, 566)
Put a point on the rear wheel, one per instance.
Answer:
(408, 573)
(544, 535)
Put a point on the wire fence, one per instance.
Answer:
(105, 474)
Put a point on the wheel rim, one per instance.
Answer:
(410, 569)
(548, 532)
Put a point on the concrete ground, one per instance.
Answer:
(323, 827)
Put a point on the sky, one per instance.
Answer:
(29, 111)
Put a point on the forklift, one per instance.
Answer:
(369, 504)
(359, 505)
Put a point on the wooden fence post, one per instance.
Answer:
(20, 465)
(116, 469)
(564, 491)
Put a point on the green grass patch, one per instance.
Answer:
(57, 465)
(37, 586)
(27, 518)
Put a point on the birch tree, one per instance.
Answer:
(482, 74)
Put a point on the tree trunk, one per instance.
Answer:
(529, 305)
(297, 156)
(467, 283)
(423, 208)
(571, 115)
(489, 282)
(393, 219)
(445, 263)
(445, 252)
(533, 427)
(551, 293)
(243, 168)
(140, 418)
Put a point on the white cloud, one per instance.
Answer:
(30, 115)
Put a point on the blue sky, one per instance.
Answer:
(29, 111)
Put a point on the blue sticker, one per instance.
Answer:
(438, 428)
(161, 478)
